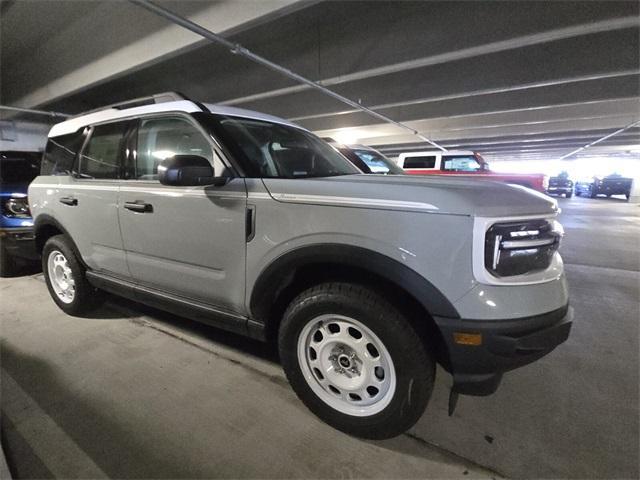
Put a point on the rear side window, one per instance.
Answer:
(100, 159)
(420, 162)
(60, 154)
(461, 163)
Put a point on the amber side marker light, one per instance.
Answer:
(467, 338)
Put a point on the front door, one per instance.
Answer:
(186, 241)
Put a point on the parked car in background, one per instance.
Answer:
(561, 185)
(17, 170)
(466, 163)
(367, 159)
(613, 184)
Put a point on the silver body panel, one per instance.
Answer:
(192, 244)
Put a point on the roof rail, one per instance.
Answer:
(163, 97)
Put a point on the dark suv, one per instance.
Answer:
(17, 170)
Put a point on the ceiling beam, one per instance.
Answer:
(465, 53)
(239, 50)
(595, 142)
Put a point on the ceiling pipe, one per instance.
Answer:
(238, 49)
(35, 112)
(602, 139)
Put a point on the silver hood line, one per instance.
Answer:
(452, 196)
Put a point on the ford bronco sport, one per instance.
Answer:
(252, 224)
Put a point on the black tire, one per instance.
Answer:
(7, 263)
(568, 195)
(592, 193)
(414, 366)
(86, 297)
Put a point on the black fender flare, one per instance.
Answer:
(270, 279)
(43, 221)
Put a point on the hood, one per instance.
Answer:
(453, 196)
(6, 189)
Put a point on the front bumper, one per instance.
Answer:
(19, 242)
(497, 346)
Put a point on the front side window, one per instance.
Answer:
(161, 138)
(100, 158)
(420, 161)
(272, 150)
(378, 163)
(461, 163)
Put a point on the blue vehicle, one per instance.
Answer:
(17, 170)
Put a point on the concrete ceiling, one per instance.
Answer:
(514, 80)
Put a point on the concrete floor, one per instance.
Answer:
(133, 392)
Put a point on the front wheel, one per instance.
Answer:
(355, 360)
(65, 277)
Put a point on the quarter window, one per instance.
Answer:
(100, 158)
(60, 154)
(420, 162)
(161, 138)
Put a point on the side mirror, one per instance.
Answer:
(186, 170)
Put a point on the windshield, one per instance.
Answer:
(373, 161)
(272, 150)
(19, 167)
(461, 163)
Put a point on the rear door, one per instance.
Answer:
(87, 200)
(189, 241)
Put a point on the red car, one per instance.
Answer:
(467, 163)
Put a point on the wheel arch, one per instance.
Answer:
(45, 227)
(301, 268)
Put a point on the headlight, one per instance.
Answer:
(16, 207)
(521, 247)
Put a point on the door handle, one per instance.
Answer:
(72, 202)
(139, 207)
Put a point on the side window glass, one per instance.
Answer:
(420, 162)
(160, 138)
(460, 164)
(100, 158)
(60, 154)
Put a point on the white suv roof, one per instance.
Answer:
(187, 106)
(436, 152)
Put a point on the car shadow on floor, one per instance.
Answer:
(263, 350)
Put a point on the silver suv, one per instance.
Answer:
(252, 224)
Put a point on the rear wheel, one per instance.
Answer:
(355, 360)
(65, 277)
(568, 195)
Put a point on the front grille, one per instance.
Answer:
(519, 248)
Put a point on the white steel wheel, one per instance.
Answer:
(61, 276)
(346, 365)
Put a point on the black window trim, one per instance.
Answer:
(88, 132)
